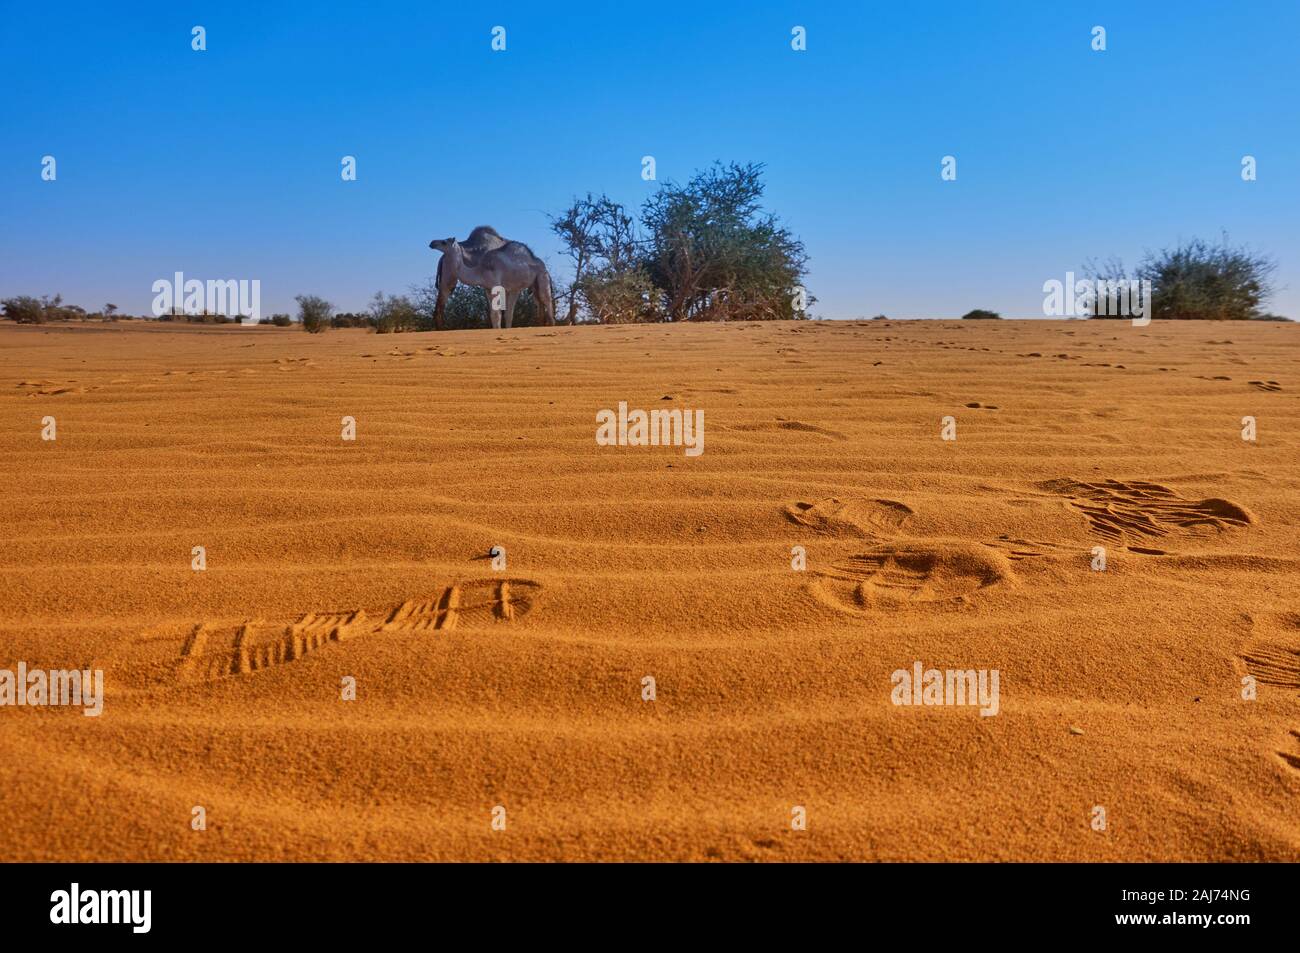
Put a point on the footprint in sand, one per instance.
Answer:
(1292, 757)
(1275, 660)
(1266, 385)
(1116, 509)
(848, 516)
(1020, 549)
(215, 650)
(1273, 664)
(908, 576)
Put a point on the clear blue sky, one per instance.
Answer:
(225, 163)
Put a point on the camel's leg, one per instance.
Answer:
(440, 309)
(542, 292)
(445, 288)
(511, 298)
(493, 314)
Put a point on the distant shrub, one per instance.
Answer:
(24, 309)
(980, 314)
(282, 320)
(880, 317)
(314, 313)
(1271, 317)
(350, 320)
(393, 313)
(1197, 280)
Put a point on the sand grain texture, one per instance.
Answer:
(522, 687)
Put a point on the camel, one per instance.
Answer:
(488, 261)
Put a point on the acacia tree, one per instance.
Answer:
(715, 254)
(24, 309)
(600, 240)
(314, 313)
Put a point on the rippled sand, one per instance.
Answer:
(481, 687)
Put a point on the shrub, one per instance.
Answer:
(281, 320)
(703, 251)
(466, 308)
(1197, 280)
(24, 309)
(314, 313)
(393, 313)
(980, 314)
(614, 296)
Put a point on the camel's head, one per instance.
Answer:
(442, 244)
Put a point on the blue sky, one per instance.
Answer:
(225, 163)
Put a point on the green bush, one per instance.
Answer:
(393, 313)
(314, 313)
(1196, 280)
(703, 251)
(614, 296)
(980, 314)
(467, 308)
(24, 309)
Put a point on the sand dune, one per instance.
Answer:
(522, 686)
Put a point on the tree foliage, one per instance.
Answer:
(314, 313)
(1199, 280)
(713, 252)
(24, 309)
(705, 250)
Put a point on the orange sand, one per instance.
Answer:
(1119, 689)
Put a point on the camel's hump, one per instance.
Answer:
(484, 235)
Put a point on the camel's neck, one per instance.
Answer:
(462, 269)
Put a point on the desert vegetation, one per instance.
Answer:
(708, 251)
(1200, 280)
(705, 250)
(314, 313)
(25, 309)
